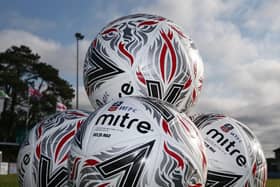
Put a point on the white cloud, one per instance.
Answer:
(18, 37)
(265, 17)
(259, 81)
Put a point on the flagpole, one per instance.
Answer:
(27, 115)
(78, 36)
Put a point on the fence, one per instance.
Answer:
(8, 168)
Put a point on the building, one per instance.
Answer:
(273, 165)
(9, 151)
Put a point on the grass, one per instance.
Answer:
(8, 181)
(11, 181)
(273, 183)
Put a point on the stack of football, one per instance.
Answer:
(142, 74)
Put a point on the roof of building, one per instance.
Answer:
(9, 144)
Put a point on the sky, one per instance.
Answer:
(239, 42)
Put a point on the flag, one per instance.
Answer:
(34, 93)
(3, 95)
(60, 107)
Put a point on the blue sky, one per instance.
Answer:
(58, 20)
(239, 42)
(44, 19)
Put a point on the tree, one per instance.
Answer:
(34, 88)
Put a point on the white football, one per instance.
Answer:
(143, 55)
(138, 142)
(42, 158)
(235, 156)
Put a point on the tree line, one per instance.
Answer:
(33, 89)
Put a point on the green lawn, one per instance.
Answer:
(273, 183)
(11, 181)
(8, 181)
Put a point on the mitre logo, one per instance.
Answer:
(227, 127)
(228, 145)
(124, 121)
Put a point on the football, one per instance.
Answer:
(138, 142)
(235, 156)
(42, 158)
(143, 55)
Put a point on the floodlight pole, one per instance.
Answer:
(78, 36)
